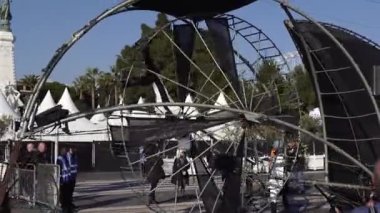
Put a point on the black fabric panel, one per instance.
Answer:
(145, 130)
(184, 38)
(210, 192)
(104, 161)
(231, 188)
(219, 31)
(326, 56)
(197, 8)
(151, 66)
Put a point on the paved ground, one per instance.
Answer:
(106, 192)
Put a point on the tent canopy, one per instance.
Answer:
(5, 109)
(46, 103)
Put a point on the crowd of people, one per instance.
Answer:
(68, 165)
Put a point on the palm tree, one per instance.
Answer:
(81, 85)
(29, 81)
(116, 78)
(92, 74)
(106, 83)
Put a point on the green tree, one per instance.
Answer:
(116, 76)
(29, 81)
(106, 83)
(81, 85)
(92, 74)
(305, 88)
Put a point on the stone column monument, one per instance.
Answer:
(7, 63)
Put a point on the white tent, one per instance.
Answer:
(161, 110)
(5, 109)
(67, 102)
(81, 130)
(188, 110)
(220, 101)
(141, 113)
(7, 112)
(46, 103)
(99, 118)
(227, 131)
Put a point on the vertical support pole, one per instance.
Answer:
(326, 160)
(244, 166)
(93, 156)
(56, 145)
(7, 151)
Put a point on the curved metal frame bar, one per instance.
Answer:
(120, 8)
(341, 47)
(347, 55)
(361, 37)
(259, 31)
(60, 52)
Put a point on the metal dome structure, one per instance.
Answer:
(250, 105)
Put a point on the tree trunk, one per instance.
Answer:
(116, 96)
(80, 94)
(4, 184)
(93, 97)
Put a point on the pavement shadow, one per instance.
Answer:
(103, 203)
(182, 198)
(109, 187)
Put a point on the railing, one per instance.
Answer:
(22, 183)
(33, 184)
(48, 185)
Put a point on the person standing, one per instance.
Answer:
(180, 167)
(28, 157)
(154, 170)
(64, 195)
(73, 165)
(42, 155)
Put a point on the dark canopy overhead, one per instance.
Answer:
(192, 8)
(141, 131)
(350, 116)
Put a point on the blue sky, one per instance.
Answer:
(41, 26)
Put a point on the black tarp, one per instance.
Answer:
(145, 130)
(184, 38)
(210, 193)
(231, 201)
(220, 34)
(349, 116)
(195, 8)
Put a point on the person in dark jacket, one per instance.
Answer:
(180, 171)
(153, 170)
(73, 164)
(65, 177)
(28, 156)
(42, 155)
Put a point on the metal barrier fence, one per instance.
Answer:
(47, 190)
(33, 184)
(27, 184)
(22, 183)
